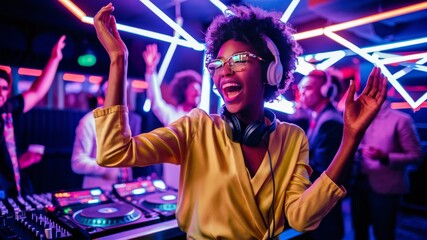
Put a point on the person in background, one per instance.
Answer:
(83, 159)
(324, 138)
(244, 174)
(389, 146)
(12, 181)
(186, 88)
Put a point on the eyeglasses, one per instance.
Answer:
(237, 62)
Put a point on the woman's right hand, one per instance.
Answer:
(151, 57)
(106, 31)
(56, 52)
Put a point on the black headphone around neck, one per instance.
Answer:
(254, 132)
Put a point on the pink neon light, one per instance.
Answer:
(74, 77)
(95, 79)
(6, 68)
(139, 84)
(29, 72)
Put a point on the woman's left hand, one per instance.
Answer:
(107, 33)
(360, 112)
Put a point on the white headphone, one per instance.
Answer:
(328, 90)
(275, 68)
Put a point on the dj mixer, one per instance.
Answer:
(88, 213)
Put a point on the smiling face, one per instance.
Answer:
(192, 94)
(4, 91)
(242, 91)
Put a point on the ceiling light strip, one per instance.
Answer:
(168, 56)
(289, 10)
(409, 67)
(331, 58)
(394, 45)
(377, 17)
(405, 58)
(145, 33)
(155, 35)
(73, 8)
(171, 23)
(308, 34)
(221, 6)
(361, 21)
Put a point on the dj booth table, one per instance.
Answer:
(170, 230)
(143, 209)
(162, 230)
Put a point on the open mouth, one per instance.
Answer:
(231, 90)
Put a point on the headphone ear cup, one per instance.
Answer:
(324, 90)
(332, 92)
(233, 123)
(275, 68)
(274, 73)
(254, 133)
(329, 90)
(236, 129)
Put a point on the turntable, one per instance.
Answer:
(153, 195)
(164, 203)
(100, 214)
(107, 215)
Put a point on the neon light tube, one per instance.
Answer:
(170, 22)
(95, 79)
(308, 34)
(396, 45)
(6, 68)
(168, 57)
(162, 37)
(30, 72)
(139, 84)
(405, 105)
(221, 6)
(377, 17)
(154, 35)
(73, 8)
(206, 86)
(405, 58)
(361, 21)
(289, 10)
(384, 70)
(304, 67)
(333, 57)
(74, 77)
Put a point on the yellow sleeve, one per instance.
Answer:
(116, 147)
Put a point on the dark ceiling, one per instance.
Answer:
(30, 28)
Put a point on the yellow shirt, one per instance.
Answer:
(217, 197)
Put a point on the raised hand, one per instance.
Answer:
(57, 49)
(359, 113)
(106, 31)
(28, 159)
(151, 57)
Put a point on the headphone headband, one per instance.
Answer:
(275, 68)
